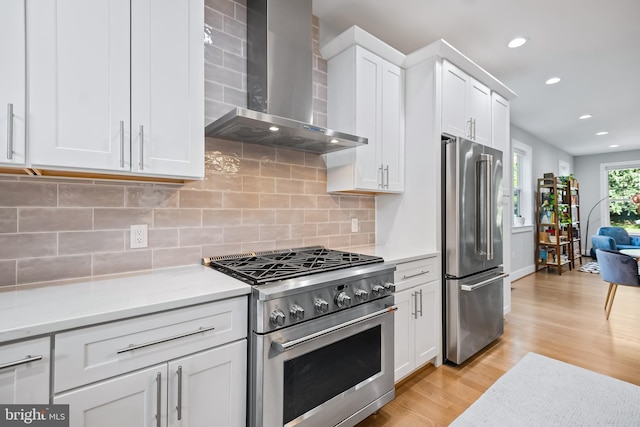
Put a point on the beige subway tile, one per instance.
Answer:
(275, 232)
(275, 170)
(289, 244)
(315, 187)
(220, 182)
(372, 239)
(372, 215)
(322, 175)
(292, 157)
(328, 202)
(221, 217)
(216, 162)
(337, 215)
(18, 194)
(28, 245)
(280, 201)
(303, 202)
(259, 152)
(367, 202)
(240, 201)
(179, 256)
(304, 172)
(328, 228)
(220, 250)
(340, 241)
(258, 216)
(193, 185)
(249, 247)
(300, 231)
(255, 184)
(316, 215)
(316, 241)
(349, 202)
(174, 218)
(120, 218)
(361, 214)
(290, 186)
(7, 273)
(249, 167)
(122, 262)
(223, 146)
(200, 236)
(54, 219)
(241, 234)
(46, 269)
(290, 216)
(367, 226)
(151, 197)
(200, 199)
(359, 239)
(82, 195)
(86, 242)
(315, 160)
(8, 220)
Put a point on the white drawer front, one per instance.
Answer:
(24, 372)
(415, 272)
(98, 352)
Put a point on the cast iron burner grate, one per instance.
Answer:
(263, 267)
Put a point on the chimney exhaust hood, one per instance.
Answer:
(280, 84)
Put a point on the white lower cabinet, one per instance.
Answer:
(207, 388)
(418, 322)
(24, 372)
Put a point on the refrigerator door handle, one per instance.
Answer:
(470, 288)
(489, 203)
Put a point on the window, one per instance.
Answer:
(521, 184)
(623, 190)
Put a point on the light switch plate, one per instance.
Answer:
(354, 225)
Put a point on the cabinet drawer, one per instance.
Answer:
(24, 372)
(98, 352)
(419, 271)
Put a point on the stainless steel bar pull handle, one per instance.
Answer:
(162, 340)
(470, 134)
(415, 275)
(121, 143)
(179, 407)
(27, 359)
(489, 205)
(386, 171)
(482, 284)
(414, 297)
(420, 303)
(9, 131)
(480, 195)
(381, 170)
(159, 399)
(141, 147)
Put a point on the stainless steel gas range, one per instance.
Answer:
(321, 339)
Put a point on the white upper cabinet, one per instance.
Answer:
(466, 105)
(12, 83)
(366, 98)
(117, 87)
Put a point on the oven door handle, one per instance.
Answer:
(281, 347)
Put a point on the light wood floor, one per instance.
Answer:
(557, 316)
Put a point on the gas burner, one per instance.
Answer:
(260, 268)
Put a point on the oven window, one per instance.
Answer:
(317, 376)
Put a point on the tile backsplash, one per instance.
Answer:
(252, 197)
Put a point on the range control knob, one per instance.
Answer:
(361, 295)
(390, 287)
(277, 318)
(343, 300)
(378, 290)
(321, 305)
(296, 312)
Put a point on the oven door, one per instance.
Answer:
(336, 370)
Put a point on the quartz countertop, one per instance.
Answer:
(38, 310)
(394, 254)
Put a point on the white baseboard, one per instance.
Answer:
(519, 274)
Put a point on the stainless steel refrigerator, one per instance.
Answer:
(472, 247)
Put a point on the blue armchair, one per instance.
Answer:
(614, 239)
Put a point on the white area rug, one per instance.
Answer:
(540, 391)
(590, 267)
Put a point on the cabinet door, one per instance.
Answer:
(167, 98)
(403, 334)
(479, 112)
(78, 52)
(427, 323)
(454, 99)
(12, 82)
(209, 388)
(133, 400)
(24, 372)
(368, 119)
(392, 127)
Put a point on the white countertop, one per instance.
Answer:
(394, 254)
(41, 310)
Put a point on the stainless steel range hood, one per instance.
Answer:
(280, 84)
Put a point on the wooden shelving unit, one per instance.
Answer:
(554, 247)
(573, 200)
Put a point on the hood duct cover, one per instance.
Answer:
(280, 84)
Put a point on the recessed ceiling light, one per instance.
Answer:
(604, 132)
(552, 80)
(517, 42)
(614, 146)
(274, 128)
(585, 116)
(334, 141)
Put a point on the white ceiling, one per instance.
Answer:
(593, 45)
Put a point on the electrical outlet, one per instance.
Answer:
(139, 236)
(354, 225)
